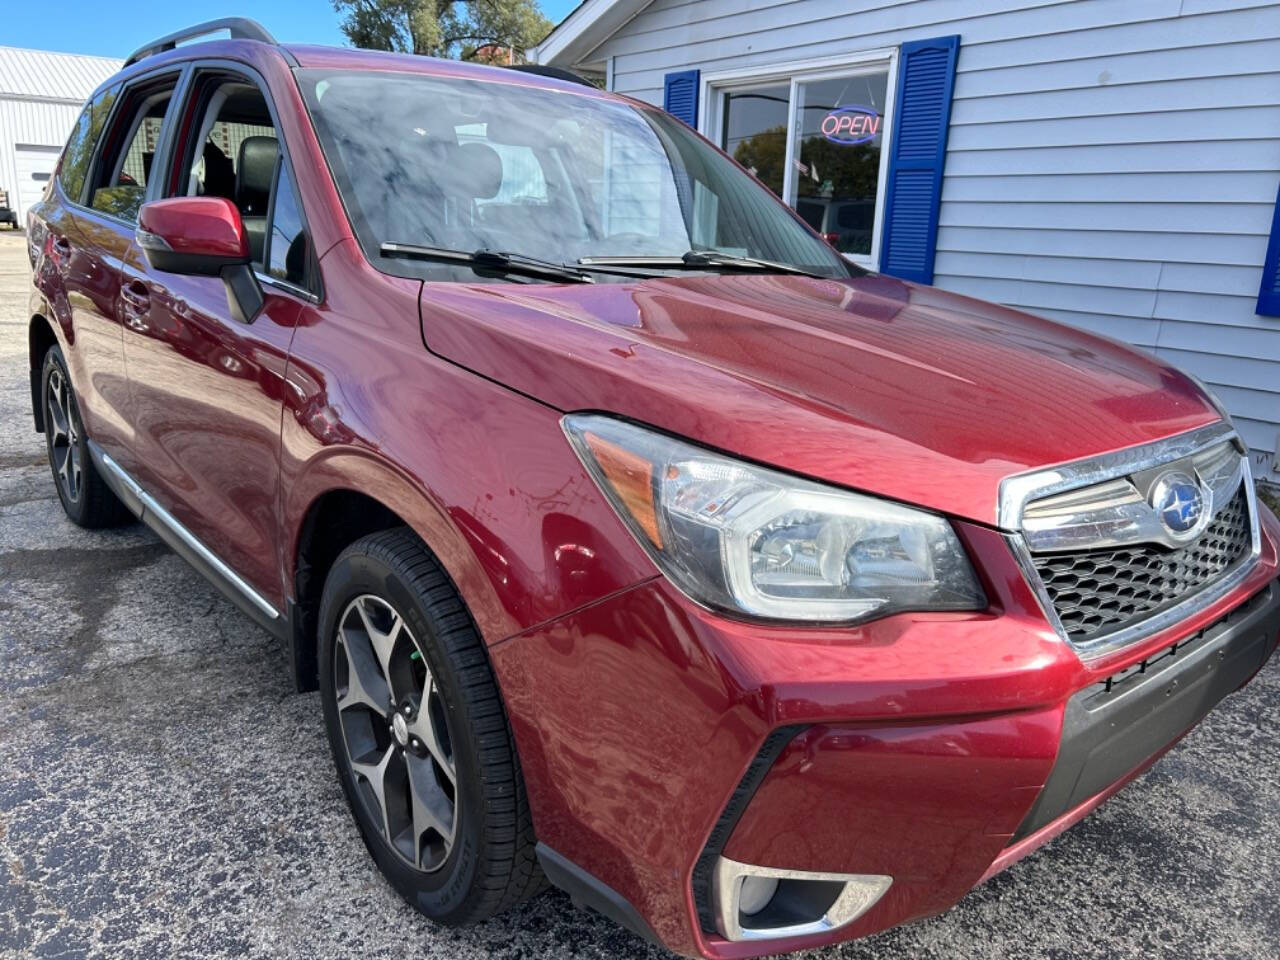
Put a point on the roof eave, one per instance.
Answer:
(590, 24)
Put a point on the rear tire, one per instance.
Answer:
(437, 791)
(86, 499)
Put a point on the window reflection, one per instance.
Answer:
(755, 131)
(836, 148)
(840, 126)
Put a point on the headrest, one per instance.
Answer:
(219, 179)
(254, 174)
(480, 168)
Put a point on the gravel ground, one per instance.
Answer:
(164, 793)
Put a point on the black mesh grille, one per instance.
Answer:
(1099, 591)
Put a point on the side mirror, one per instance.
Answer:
(202, 236)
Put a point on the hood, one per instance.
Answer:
(895, 389)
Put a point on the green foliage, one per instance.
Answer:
(844, 171)
(766, 154)
(492, 31)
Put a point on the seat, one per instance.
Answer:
(255, 174)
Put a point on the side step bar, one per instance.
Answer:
(183, 542)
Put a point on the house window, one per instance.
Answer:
(754, 131)
(817, 136)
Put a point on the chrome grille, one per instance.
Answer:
(1095, 592)
(1118, 548)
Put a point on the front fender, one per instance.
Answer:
(498, 496)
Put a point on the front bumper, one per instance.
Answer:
(930, 748)
(1115, 725)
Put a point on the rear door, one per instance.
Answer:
(207, 390)
(85, 245)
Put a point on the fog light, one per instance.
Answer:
(755, 894)
(769, 903)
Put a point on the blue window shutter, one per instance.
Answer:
(680, 96)
(926, 75)
(1269, 291)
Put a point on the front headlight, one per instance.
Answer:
(745, 539)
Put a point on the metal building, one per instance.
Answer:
(41, 94)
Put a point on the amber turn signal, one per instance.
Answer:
(631, 477)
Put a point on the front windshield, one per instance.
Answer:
(477, 165)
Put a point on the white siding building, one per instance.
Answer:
(41, 95)
(1113, 165)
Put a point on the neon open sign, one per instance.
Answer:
(851, 125)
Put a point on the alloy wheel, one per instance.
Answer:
(395, 732)
(64, 436)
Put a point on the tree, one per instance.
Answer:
(485, 30)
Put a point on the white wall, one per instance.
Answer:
(41, 95)
(35, 122)
(1111, 164)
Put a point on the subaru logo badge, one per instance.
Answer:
(1178, 502)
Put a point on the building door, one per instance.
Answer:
(34, 168)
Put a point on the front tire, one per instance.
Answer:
(419, 735)
(86, 499)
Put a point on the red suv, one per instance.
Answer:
(635, 539)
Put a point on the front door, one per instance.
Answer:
(206, 389)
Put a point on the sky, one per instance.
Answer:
(117, 29)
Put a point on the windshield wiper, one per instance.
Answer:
(496, 260)
(700, 260)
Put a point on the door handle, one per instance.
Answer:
(136, 301)
(135, 294)
(61, 248)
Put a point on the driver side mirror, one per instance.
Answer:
(202, 236)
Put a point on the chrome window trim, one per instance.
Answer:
(284, 286)
(1017, 491)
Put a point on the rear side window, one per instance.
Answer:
(124, 168)
(79, 149)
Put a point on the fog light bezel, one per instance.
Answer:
(836, 899)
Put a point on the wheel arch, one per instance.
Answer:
(347, 496)
(40, 337)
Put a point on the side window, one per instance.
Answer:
(79, 150)
(234, 153)
(287, 248)
(120, 181)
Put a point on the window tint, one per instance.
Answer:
(79, 150)
(121, 182)
(288, 245)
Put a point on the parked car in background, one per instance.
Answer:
(7, 213)
(634, 538)
(845, 224)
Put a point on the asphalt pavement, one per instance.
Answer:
(163, 793)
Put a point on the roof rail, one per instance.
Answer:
(240, 28)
